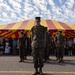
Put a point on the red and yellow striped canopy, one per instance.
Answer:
(12, 30)
(27, 25)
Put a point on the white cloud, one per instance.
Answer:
(27, 8)
(51, 2)
(17, 0)
(4, 6)
(19, 10)
(15, 4)
(70, 3)
(1, 1)
(13, 15)
(4, 14)
(60, 1)
(68, 12)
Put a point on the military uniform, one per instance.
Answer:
(48, 44)
(38, 45)
(22, 47)
(59, 42)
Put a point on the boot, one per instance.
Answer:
(20, 60)
(25, 58)
(61, 60)
(40, 71)
(36, 71)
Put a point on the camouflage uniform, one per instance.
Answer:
(22, 47)
(48, 44)
(59, 42)
(38, 44)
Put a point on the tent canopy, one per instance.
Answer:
(12, 29)
(27, 25)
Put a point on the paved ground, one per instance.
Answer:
(9, 65)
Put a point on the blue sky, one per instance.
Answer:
(19, 10)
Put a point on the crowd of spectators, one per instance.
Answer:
(8, 46)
